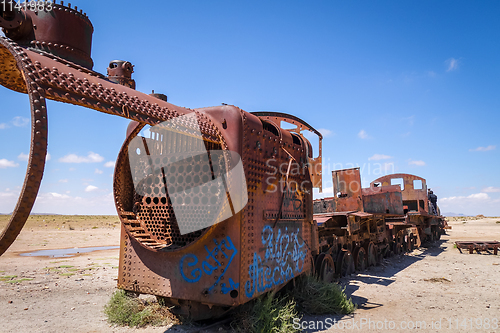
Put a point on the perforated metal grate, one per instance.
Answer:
(183, 171)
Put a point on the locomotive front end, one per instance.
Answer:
(214, 216)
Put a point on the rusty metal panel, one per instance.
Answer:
(279, 211)
(314, 165)
(347, 190)
(478, 246)
(360, 214)
(383, 200)
(416, 199)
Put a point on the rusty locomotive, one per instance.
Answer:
(216, 203)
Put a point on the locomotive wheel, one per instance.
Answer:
(398, 247)
(345, 263)
(411, 243)
(327, 270)
(390, 250)
(371, 254)
(380, 257)
(317, 264)
(433, 235)
(360, 259)
(437, 235)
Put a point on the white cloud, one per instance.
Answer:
(362, 134)
(474, 204)
(4, 126)
(378, 157)
(7, 164)
(491, 147)
(20, 121)
(417, 163)
(91, 188)
(109, 164)
(59, 196)
(90, 158)
(57, 203)
(99, 172)
(48, 157)
(325, 132)
(452, 64)
(327, 192)
(491, 189)
(23, 157)
(63, 180)
(475, 196)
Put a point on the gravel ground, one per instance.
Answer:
(449, 291)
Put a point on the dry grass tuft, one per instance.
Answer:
(270, 313)
(127, 311)
(441, 279)
(314, 296)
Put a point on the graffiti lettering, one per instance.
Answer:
(291, 197)
(284, 258)
(222, 250)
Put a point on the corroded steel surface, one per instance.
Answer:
(415, 199)
(15, 65)
(374, 222)
(204, 272)
(478, 246)
(347, 190)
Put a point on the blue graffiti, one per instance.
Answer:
(284, 258)
(226, 249)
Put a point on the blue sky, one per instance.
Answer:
(403, 86)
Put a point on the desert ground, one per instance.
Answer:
(436, 284)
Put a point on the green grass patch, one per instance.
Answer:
(7, 277)
(87, 274)
(73, 269)
(275, 312)
(52, 269)
(270, 313)
(126, 311)
(66, 266)
(18, 281)
(67, 274)
(316, 297)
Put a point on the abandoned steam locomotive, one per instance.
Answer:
(216, 203)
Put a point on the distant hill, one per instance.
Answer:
(452, 214)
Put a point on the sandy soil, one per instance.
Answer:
(436, 284)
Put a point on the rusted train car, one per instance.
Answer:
(216, 203)
(359, 226)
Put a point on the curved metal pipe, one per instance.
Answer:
(38, 150)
